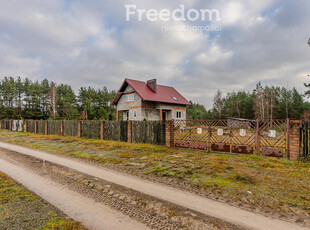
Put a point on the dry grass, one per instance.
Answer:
(21, 209)
(270, 184)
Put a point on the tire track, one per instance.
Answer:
(91, 214)
(206, 206)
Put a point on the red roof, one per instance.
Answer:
(164, 94)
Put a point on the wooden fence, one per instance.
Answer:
(152, 132)
(277, 138)
(115, 131)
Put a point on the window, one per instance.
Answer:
(130, 97)
(179, 114)
(134, 113)
(174, 98)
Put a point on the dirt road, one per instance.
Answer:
(209, 207)
(93, 215)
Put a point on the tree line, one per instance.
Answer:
(27, 99)
(264, 102)
(23, 98)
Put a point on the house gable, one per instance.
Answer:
(164, 94)
(136, 100)
(129, 98)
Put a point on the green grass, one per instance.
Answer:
(21, 209)
(270, 184)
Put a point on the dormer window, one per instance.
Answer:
(174, 98)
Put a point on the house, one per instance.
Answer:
(139, 100)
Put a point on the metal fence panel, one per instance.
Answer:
(273, 138)
(268, 138)
(31, 126)
(5, 124)
(54, 127)
(41, 127)
(70, 128)
(91, 129)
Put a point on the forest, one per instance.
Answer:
(27, 99)
(264, 102)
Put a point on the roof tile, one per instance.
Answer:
(164, 94)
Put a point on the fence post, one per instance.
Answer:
(129, 135)
(35, 126)
(209, 137)
(257, 133)
(46, 127)
(117, 115)
(102, 130)
(79, 128)
(172, 133)
(167, 133)
(294, 140)
(287, 124)
(61, 127)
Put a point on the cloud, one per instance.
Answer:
(90, 43)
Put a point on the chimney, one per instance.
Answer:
(152, 85)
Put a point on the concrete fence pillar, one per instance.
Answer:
(79, 128)
(46, 127)
(102, 130)
(294, 140)
(169, 133)
(160, 114)
(62, 128)
(117, 115)
(35, 126)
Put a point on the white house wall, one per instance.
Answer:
(123, 105)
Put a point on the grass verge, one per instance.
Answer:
(268, 184)
(21, 209)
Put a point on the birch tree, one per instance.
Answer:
(51, 100)
(218, 104)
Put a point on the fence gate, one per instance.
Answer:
(268, 138)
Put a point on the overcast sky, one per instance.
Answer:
(90, 43)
